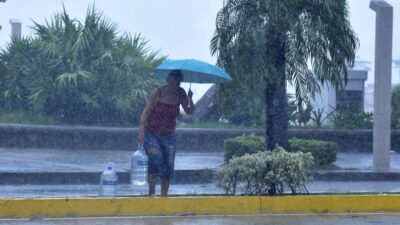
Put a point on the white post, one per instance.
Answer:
(382, 88)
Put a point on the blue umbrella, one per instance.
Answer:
(194, 71)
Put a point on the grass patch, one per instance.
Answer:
(22, 117)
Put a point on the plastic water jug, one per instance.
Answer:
(139, 166)
(108, 181)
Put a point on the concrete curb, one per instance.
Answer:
(144, 206)
(181, 177)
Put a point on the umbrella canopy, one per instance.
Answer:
(194, 71)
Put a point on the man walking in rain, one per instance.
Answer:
(157, 129)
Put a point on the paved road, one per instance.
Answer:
(331, 219)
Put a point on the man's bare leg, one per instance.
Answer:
(164, 187)
(152, 185)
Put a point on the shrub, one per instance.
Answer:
(324, 152)
(396, 107)
(352, 119)
(239, 146)
(265, 171)
(299, 112)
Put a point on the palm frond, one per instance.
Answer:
(69, 78)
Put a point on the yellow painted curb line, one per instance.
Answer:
(331, 204)
(134, 206)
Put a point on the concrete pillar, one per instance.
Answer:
(382, 88)
(15, 28)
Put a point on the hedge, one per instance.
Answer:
(240, 145)
(324, 152)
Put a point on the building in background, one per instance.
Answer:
(350, 98)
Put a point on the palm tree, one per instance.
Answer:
(17, 61)
(265, 43)
(79, 72)
(99, 76)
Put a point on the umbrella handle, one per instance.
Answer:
(190, 85)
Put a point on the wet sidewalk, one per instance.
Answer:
(66, 173)
(56, 166)
(59, 160)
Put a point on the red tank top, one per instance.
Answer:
(162, 120)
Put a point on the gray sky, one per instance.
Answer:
(179, 28)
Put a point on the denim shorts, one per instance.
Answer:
(161, 153)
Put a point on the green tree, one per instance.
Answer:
(18, 69)
(396, 107)
(265, 43)
(80, 72)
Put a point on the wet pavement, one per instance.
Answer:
(67, 173)
(41, 161)
(315, 187)
(61, 160)
(276, 219)
(363, 161)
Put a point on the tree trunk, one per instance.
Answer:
(277, 117)
(275, 95)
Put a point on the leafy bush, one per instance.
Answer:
(319, 116)
(352, 119)
(299, 112)
(324, 152)
(241, 145)
(263, 172)
(396, 107)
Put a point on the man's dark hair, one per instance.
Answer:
(176, 74)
